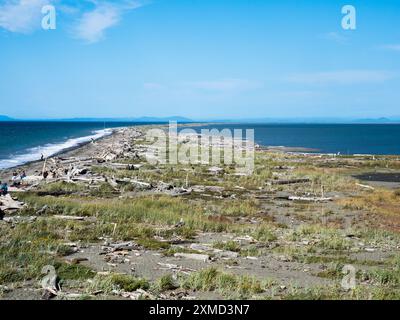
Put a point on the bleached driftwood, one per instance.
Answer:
(200, 188)
(221, 253)
(19, 219)
(8, 203)
(174, 267)
(289, 181)
(138, 294)
(124, 166)
(226, 254)
(129, 245)
(176, 192)
(193, 256)
(73, 218)
(75, 260)
(32, 179)
(135, 182)
(309, 199)
(365, 186)
(215, 170)
(200, 247)
(75, 159)
(88, 179)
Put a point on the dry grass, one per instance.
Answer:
(384, 205)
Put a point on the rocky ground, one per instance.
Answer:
(112, 226)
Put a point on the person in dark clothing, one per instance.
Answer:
(3, 189)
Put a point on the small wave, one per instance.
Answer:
(48, 150)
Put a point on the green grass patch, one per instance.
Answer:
(228, 246)
(226, 284)
(108, 283)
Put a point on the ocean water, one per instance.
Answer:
(22, 142)
(348, 139)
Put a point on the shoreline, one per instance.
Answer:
(86, 140)
(76, 150)
(79, 148)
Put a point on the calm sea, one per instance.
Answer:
(379, 139)
(21, 142)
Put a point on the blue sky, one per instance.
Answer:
(200, 59)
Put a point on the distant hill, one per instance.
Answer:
(310, 121)
(382, 120)
(141, 119)
(5, 118)
(378, 120)
(154, 119)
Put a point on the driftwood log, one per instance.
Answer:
(365, 186)
(8, 203)
(193, 256)
(309, 199)
(73, 218)
(290, 181)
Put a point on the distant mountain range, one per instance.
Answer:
(316, 120)
(379, 120)
(382, 120)
(5, 118)
(140, 120)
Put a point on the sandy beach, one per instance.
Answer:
(115, 226)
(85, 150)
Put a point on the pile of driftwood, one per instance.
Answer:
(8, 204)
(79, 169)
(171, 190)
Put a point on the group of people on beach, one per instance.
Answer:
(18, 178)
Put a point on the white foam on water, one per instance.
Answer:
(48, 150)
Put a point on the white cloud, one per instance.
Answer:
(225, 85)
(24, 16)
(345, 77)
(392, 47)
(21, 16)
(153, 86)
(334, 36)
(93, 24)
